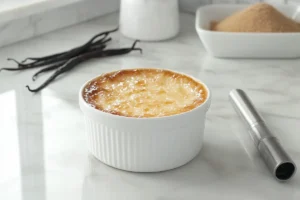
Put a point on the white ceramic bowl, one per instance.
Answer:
(144, 144)
(246, 45)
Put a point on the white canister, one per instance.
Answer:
(149, 20)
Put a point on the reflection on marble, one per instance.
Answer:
(42, 141)
(31, 144)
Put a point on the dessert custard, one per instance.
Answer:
(144, 93)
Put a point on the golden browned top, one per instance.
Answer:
(144, 93)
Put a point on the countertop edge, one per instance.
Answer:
(39, 18)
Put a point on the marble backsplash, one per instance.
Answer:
(19, 29)
(26, 27)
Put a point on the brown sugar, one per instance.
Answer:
(260, 17)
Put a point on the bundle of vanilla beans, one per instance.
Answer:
(68, 60)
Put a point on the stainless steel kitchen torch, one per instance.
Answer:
(276, 158)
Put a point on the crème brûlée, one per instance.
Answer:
(144, 93)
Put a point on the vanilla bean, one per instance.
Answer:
(55, 66)
(72, 63)
(76, 50)
(52, 60)
(46, 69)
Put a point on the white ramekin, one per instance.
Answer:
(145, 144)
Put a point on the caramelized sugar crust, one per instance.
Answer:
(144, 93)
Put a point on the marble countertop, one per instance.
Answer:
(42, 143)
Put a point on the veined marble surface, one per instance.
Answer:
(42, 143)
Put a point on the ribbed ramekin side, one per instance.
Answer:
(112, 146)
(144, 147)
